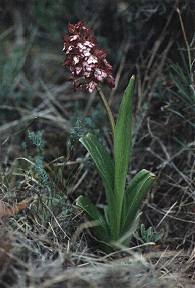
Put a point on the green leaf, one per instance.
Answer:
(122, 146)
(135, 194)
(102, 161)
(101, 230)
(131, 190)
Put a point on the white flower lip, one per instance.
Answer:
(76, 59)
(99, 74)
(74, 37)
(69, 49)
(92, 59)
(91, 86)
(78, 70)
(86, 53)
(89, 44)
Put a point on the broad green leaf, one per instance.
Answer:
(122, 145)
(131, 191)
(93, 214)
(102, 161)
(135, 194)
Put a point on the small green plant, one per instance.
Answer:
(182, 76)
(114, 224)
(148, 235)
(183, 83)
(37, 160)
(123, 202)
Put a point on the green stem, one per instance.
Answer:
(108, 110)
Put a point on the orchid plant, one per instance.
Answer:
(89, 68)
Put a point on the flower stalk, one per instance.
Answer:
(107, 108)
